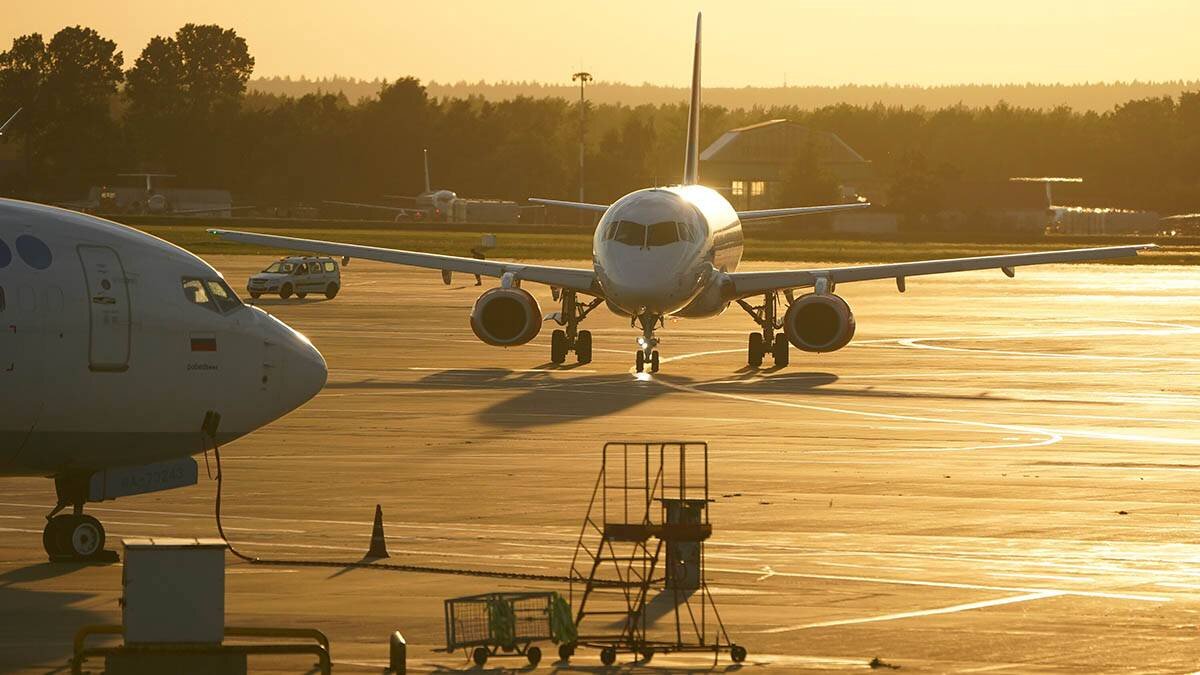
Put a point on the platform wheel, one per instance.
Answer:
(534, 654)
(737, 653)
(754, 350)
(647, 655)
(608, 656)
(480, 656)
(565, 652)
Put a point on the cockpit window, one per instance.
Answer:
(661, 234)
(280, 268)
(627, 232)
(212, 294)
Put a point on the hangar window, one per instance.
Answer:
(757, 188)
(5, 254)
(738, 188)
(34, 252)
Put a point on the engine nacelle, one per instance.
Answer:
(819, 323)
(506, 317)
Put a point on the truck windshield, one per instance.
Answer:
(280, 268)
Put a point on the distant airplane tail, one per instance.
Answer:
(691, 161)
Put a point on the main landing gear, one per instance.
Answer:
(647, 355)
(72, 536)
(562, 342)
(768, 341)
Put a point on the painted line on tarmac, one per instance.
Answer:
(952, 609)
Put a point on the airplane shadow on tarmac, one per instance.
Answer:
(551, 395)
(39, 625)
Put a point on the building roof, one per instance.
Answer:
(777, 142)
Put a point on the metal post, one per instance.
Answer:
(398, 663)
(583, 77)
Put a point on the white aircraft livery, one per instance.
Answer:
(115, 348)
(674, 251)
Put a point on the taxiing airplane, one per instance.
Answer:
(674, 251)
(115, 347)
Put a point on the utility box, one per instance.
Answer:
(174, 591)
(683, 556)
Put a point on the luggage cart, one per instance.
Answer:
(496, 624)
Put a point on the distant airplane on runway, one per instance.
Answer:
(114, 346)
(674, 251)
(430, 205)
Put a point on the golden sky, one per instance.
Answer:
(746, 43)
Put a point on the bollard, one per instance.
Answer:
(399, 654)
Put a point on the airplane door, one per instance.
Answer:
(108, 300)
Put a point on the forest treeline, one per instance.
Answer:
(182, 105)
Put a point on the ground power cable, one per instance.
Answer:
(209, 435)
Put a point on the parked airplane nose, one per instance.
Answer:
(305, 372)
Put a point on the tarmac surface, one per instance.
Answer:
(995, 476)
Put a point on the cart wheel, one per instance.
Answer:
(534, 654)
(608, 656)
(479, 656)
(565, 652)
(647, 655)
(737, 653)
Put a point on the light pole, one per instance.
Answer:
(584, 78)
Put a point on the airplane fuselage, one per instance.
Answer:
(664, 251)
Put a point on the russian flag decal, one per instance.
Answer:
(204, 343)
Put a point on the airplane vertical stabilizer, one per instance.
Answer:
(691, 164)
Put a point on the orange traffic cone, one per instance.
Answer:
(378, 543)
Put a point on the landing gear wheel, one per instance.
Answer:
(583, 347)
(779, 352)
(479, 656)
(331, 291)
(534, 654)
(608, 655)
(558, 346)
(754, 351)
(51, 536)
(640, 361)
(285, 291)
(255, 295)
(565, 652)
(654, 361)
(77, 537)
(737, 653)
(301, 296)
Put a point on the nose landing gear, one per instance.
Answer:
(647, 355)
(766, 342)
(563, 342)
(72, 536)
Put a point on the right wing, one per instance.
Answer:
(584, 206)
(570, 278)
(753, 283)
(393, 209)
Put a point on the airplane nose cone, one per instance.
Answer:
(306, 371)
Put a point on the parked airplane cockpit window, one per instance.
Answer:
(34, 251)
(222, 295)
(661, 234)
(194, 291)
(5, 254)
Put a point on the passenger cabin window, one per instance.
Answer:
(212, 294)
(329, 266)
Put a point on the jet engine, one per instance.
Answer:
(819, 323)
(506, 317)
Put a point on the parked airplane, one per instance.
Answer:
(430, 205)
(674, 251)
(115, 346)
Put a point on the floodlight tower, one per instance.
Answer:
(583, 77)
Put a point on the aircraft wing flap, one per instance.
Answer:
(570, 278)
(753, 283)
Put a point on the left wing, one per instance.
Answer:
(799, 211)
(570, 278)
(753, 283)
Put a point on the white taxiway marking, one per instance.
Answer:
(918, 613)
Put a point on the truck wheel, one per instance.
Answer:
(285, 291)
(737, 653)
(534, 654)
(331, 291)
(565, 652)
(254, 295)
(479, 656)
(608, 656)
(301, 296)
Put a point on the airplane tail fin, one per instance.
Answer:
(691, 162)
(427, 188)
